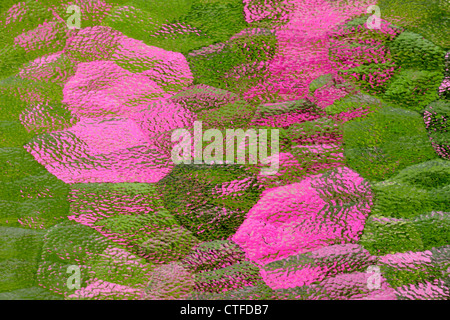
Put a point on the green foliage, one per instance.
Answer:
(7, 4)
(20, 250)
(436, 115)
(132, 22)
(102, 198)
(171, 10)
(306, 132)
(413, 89)
(441, 257)
(22, 244)
(338, 259)
(17, 163)
(385, 142)
(226, 278)
(439, 113)
(416, 267)
(218, 19)
(398, 275)
(35, 14)
(402, 201)
(31, 293)
(201, 97)
(216, 65)
(385, 236)
(155, 236)
(355, 31)
(11, 107)
(164, 26)
(273, 109)
(434, 229)
(320, 82)
(15, 87)
(72, 243)
(429, 18)
(37, 28)
(119, 268)
(194, 195)
(54, 276)
(416, 190)
(353, 102)
(17, 274)
(212, 255)
(12, 58)
(370, 77)
(36, 213)
(52, 117)
(412, 51)
(178, 40)
(429, 175)
(13, 134)
(60, 69)
(258, 291)
(124, 224)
